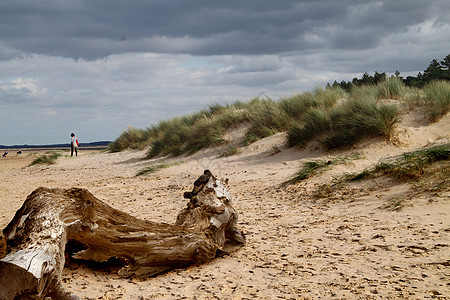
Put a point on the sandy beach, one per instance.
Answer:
(344, 246)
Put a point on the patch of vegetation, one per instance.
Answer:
(434, 181)
(210, 131)
(192, 133)
(170, 135)
(316, 123)
(275, 150)
(434, 97)
(427, 170)
(411, 165)
(366, 173)
(346, 123)
(314, 167)
(298, 105)
(307, 170)
(391, 88)
(154, 168)
(356, 119)
(435, 71)
(267, 118)
(363, 92)
(132, 138)
(413, 98)
(437, 99)
(337, 116)
(48, 158)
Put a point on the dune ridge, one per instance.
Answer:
(298, 247)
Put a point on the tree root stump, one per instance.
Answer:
(36, 238)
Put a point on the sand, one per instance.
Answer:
(344, 246)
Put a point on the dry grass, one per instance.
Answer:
(331, 116)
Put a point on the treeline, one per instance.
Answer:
(435, 71)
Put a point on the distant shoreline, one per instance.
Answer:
(67, 148)
(89, 146)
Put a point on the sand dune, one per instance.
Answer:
(343, 246)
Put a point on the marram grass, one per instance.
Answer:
(47, 159)
(330, 116)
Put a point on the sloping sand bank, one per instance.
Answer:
(343, 246)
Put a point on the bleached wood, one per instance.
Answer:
(36, 237)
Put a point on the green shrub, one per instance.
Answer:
(171, 135)
(308, 169)
(305, 116)
(131, 138)
(296, 136)
(154, 168)
(231, 116)
(327, 98)
(356, 119)
(215, 108)
(414, 97)
(204, 133)
(267, 118)
(391, 88)
(363, 92)
(317, 122)
(209, 131)
(297, 105)
(411, 165)
(387, 120)
(437, 99)
(192, 133)
(46, 159)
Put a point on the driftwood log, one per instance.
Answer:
(36, 238)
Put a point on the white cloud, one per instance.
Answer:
(25, 84)
(364, 10)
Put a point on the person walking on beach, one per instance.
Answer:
(73, 144)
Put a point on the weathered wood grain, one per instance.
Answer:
(37, 236)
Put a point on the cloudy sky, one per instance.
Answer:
(95, 67)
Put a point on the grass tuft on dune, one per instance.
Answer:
(331, 116)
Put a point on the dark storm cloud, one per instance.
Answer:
(95, 29)
(110, 64)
